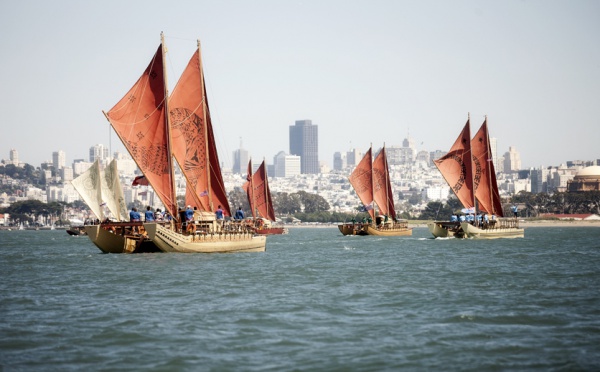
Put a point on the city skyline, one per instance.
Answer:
(101, 152)
(364, 71)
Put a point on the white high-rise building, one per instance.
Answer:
(80, 166)
(512, 160)
(98, 152)
(66, 174)
(14, 157)
(58, 159)
(286, 165)
(498, 166)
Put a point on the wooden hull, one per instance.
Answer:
(369, 229)
(445, 229)
(492, 233)
(171, 241)
(388, 231)
(352, 229)
(272, 231)
(120, 241)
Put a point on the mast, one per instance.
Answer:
(490, 165)
(168, 125)
(387, 180)
(251, 188)
(266, 187)
(471, 166)
(204, 116)
(373, 204)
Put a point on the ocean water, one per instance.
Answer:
(314, 301)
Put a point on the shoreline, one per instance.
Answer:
(413, 224)
(522, 223)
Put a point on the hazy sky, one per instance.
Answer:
(365, 72)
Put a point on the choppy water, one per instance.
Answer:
(315, 300)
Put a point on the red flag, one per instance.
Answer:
(140, 181)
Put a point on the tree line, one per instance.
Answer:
(309, 207)
(529, 204)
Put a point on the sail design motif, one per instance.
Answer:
(112, 192)
(88, 185)
(140, 122)
(456, 167)
(484, 174)
(193, 141)
(361, 180)
(382, 187)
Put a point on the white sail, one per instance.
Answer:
(88, 185)
(112, 192)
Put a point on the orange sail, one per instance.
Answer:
(382, 187)
(456, 167)
(259, 194)
(484, 174)
(361, 180)
(264, 203)
(193, 141)
(140, 122)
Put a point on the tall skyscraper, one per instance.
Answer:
(353, 157)
(512, 160)
(98, 152)
(339, 160)
(304, 142)
(240, 160)
(58, 159)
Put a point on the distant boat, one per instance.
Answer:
(261, 204)
(103, 188)
(469, 170)
(76, 230)
(371, 181)
(156, 128)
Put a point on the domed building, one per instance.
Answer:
(587, 179)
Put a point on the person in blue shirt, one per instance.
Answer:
(219, 215)
(134, 215)
(149, 214)
(189, 219)
(515, 210)
(239, 214)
